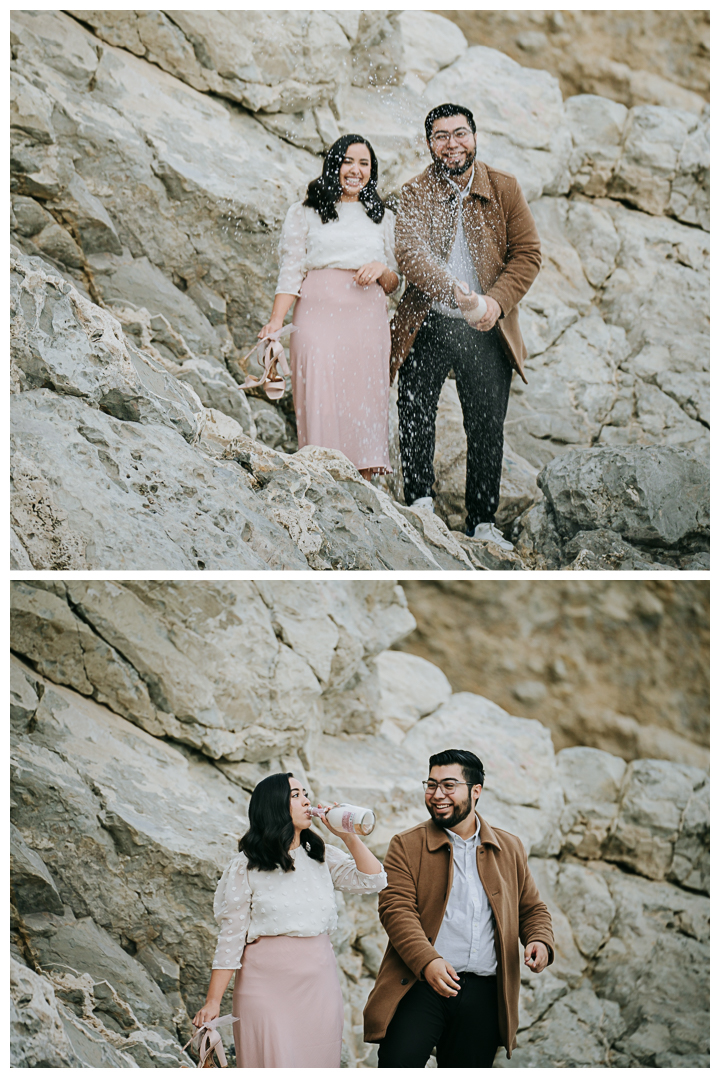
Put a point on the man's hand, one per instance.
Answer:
(442, 977)
(491, 316)
(536, 956)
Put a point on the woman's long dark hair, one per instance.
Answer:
(323, 193)
(267, 841)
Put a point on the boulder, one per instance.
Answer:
(410, 688)
(655, 797)
(657, 496)
(430, 43)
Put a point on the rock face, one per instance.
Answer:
(154, 155)
(621, 666)
(635, 57)
(143, 713)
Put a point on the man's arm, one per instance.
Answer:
(523, 260)
(413, 253)
(535, 921)
(398, 910)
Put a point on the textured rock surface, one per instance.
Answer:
(154, 155)
(621, 666)
(636, 57)
(129, 828)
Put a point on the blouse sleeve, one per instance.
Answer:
(293, 251)
(232, 913)
(347, 878)
(389, 238)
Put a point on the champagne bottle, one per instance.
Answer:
(473, 314)
(347, 818)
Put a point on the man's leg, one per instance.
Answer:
(483, 375)
(414, 1030)
(419, 385)
(472, 1035)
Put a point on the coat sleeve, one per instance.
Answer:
(523, 259)
(399, 913)
(534, 917)
(412, 249)
(232, 913)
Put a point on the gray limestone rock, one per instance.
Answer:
(655, 496)
(37, 1037)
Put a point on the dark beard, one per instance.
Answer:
(458, 170)
(459, 814)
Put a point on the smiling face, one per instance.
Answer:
(299, 806)
(455, 152)
(450, 808)
(354, 171)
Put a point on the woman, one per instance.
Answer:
(275, 904)
(336, 266)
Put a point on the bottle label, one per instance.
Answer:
(348, 821)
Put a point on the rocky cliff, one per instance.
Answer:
(622, 666)
(154, 156)
(144, 712)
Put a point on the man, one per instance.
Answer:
(459, 895)
(460, 220)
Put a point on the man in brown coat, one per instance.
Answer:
(458, 898)
(460, 220)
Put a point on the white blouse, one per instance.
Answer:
(250, 904)
(345, 244)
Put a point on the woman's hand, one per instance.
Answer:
(208, 1012)
(271, 327)
(369, 273)
(326, 823)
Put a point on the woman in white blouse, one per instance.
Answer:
(275, 904)
(336, 266)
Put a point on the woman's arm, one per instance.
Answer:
(219, 982)
(386, 278)
(364, 858)
(283, 303)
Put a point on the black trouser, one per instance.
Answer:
(464, 1029)
(483, 374)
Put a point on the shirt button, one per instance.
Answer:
(404, 982)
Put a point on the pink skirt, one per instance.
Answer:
(288, 1000)
(340, 356)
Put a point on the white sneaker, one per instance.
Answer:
(489, 532)
(425, 503)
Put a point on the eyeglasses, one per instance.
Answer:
(441, 137)
(446, 786)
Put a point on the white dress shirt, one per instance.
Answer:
(250, 904)
(460, 263)
(346, 244)
(467, 934)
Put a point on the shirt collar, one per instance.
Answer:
(475, 836)
(437, 837)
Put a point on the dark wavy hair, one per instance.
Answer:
(324, 193)
(267, 841)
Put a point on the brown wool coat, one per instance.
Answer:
(502, 239)
(419, 867)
